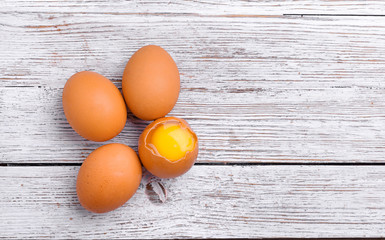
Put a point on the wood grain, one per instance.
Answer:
(262, 82)
(227, 8)
(209, 201)
(280, 89)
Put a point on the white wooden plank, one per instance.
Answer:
(254, 89)
(227, 8)
(209, 201)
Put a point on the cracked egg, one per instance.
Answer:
(168, 147)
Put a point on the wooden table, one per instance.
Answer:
(287, 98)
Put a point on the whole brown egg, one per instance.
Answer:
(108, 177)
(151, 83)
(94, 106)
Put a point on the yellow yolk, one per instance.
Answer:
(172, 142)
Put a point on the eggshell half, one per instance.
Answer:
(157, 164)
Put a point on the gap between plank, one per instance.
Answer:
(331, 15)
(171, 14)
(166, 14)
(207, 164)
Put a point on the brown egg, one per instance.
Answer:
(151, 83)
(168, 147)
(108, 177)
(94, 106)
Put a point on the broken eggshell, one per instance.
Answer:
(156, 163)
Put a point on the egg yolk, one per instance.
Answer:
(172, 141)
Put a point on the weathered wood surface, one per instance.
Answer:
(281, 89)
(260, 84)
(209, 201)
